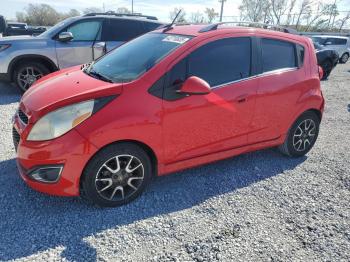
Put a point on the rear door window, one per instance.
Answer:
(277, 54)
(222, 61)
(122, 29)
(336, 41)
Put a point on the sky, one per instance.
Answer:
(159, 8)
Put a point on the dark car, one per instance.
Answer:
(326, 58)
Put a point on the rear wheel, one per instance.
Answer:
(302, 135)
(116, 175)
(344, 58)
(25, 75)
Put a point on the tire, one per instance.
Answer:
(26, 74)
(344, 58)
(298, 132)
(102, 184)
(327, 69)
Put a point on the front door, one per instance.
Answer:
(80, 49)
(197, 125)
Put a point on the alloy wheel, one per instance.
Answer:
(345, 58)
(119, 177)
(304, 135)
(27, 76)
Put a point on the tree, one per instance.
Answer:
(123, 10)
(196, 18)
(39, 14)
(211, 14)
(71, 13)
(254, 10)
(342, 22)
(181, 18)
(279, 8)
(92, 10)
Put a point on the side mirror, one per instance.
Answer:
(65, 36)
(195, 86)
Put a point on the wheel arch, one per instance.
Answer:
(149, 151)
(31, 58)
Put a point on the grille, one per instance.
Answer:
(15, 137)
(22, 116)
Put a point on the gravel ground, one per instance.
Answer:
(257, 206)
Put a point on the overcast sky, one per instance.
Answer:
(159, 8)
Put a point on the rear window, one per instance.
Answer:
(277, 54)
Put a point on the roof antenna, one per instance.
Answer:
(170, 26)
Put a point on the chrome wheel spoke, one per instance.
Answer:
(109, 180)
(118, 188)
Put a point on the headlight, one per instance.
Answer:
(4, 46)
(62, 120)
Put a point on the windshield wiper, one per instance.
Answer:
(99, 76)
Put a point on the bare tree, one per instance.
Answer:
(92, 10)
(123, 10)
(290, 10)
(196, 18)
(343, 21)
(181, 18)
(71, 13)
(254, 10)
(211, 14)
(39, 14)
(304, 9)
(279, 8)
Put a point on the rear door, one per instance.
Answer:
(202, 124)
(117, 31)
(280, 85)
(80, 49)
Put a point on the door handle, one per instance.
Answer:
(242, 99)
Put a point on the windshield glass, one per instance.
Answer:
(56, 27)
(131, 60)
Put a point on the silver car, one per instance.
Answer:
(75, 41)
(341, 44)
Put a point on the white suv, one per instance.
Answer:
(341, 44)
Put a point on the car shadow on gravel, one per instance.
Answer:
(32, 222)
(9, 94)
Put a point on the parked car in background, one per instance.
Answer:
(326, 58)
(74, 41)
(341, 44)
(16, 28)
(175, 98)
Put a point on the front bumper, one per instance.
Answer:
(72, 151)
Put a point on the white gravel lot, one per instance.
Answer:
(258, 206)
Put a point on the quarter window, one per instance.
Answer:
(221, 61)
(277, 54)
(86, 31)
(336, 41)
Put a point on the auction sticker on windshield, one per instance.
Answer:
(176, 39)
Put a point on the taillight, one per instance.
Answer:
(320, 72)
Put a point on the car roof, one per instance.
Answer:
(194, 30)
(121, 18)
(328, 36)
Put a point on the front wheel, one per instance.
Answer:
(302, 135)
(26, 74)
(116, 175)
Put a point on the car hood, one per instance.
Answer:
(62, 88)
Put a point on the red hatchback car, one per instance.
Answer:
(169, 100)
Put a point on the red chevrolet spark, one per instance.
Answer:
(169, 100)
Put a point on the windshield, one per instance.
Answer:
(56, 27)
(131, 60)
